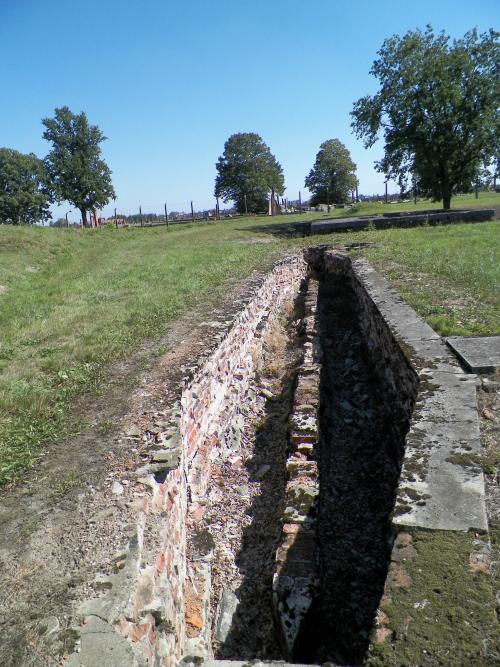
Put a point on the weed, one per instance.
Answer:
(106, 426)
(464, 459)
(65, 484)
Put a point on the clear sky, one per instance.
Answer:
(168, 82)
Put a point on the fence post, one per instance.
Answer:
(192, 212)
(116, 220)
(300, 203)
(166, 216)
(140, 216)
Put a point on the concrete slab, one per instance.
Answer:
(102, 646)
(436, 353)
(478, 354)
(446, 397)
(441, 485)
(252, 663)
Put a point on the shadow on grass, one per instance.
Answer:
(281, 229)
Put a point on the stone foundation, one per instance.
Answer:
(353, 399)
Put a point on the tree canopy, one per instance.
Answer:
(333, 176)
(437, 107)
(76, 170)
(248, 168)
(24, 196)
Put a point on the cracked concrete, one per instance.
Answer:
(447, 494)
(101, 645)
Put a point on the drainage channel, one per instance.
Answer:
(361, 447)
(265, 533)
(299, 513)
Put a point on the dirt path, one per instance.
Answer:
(64, 526)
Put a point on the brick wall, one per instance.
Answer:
(167, 615)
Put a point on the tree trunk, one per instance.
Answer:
(447, 200)
(84, 217)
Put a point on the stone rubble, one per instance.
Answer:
(295, 581)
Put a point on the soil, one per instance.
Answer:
(62, 528)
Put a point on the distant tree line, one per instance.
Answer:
(73, 171)
(437, 108)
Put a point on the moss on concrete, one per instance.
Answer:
(464, 459)
(436, 610)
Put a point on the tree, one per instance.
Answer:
(333, 176)
(438, 109)
(77, 172)
(246, 172)
(24, 196)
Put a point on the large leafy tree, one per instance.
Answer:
(333, 176)
(24, 196)
(437, 108)
(248, 170)
(77, 172)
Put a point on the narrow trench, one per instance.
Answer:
(359, 455)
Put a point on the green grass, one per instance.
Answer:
(449, 274)
(72, 301)
(77, 300)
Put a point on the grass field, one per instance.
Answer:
(484, 200)
(72, 301)
(449, 274)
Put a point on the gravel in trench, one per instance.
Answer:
(362, 439)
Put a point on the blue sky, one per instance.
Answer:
(168, 82)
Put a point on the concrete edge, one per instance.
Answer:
(441, 486)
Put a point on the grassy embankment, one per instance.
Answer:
(72, 301)
(449, 274)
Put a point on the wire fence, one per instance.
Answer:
(180, 213)
(149, 216)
